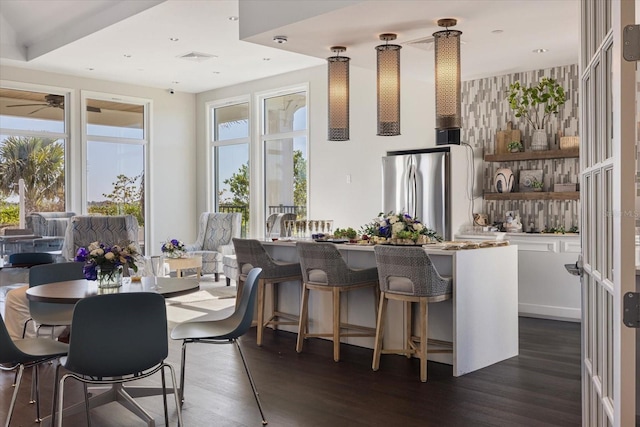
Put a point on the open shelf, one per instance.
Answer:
(534, 195)
(533, 155)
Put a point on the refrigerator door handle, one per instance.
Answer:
(412, 191)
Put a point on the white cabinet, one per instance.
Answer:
(545, 288)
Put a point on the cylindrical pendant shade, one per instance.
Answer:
(448, 97)
(338, 98)
(388, 89)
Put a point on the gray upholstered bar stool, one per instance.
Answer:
(407, 274)
(324, 269)
(250, 253)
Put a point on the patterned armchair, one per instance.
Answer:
(215, 231)
(48, 223)
(85, 229)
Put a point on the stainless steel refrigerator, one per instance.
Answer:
(430, 185)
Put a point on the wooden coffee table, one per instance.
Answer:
(186, 263)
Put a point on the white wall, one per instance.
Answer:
(172, 176)
(330, 196)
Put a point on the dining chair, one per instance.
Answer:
(50, 314)
(24, 353)
(30, 259)
(250, 253)
(324, 269)
(223, 331)
(407, 274)
(116, 338)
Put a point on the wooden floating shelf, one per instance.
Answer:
(534, 195)
(533, 155)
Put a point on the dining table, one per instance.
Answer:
(72, 291)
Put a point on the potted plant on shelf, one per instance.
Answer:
(537, 185)
(514, 146)
(536, 104)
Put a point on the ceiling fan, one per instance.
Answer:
(52, 101)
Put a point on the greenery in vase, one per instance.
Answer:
(106, 257)
(514, 146)
(527, 101)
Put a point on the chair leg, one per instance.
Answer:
(87, 410)
(216, 276)
(60, 401)
(15, 394)
(55, 396)
(261, 289)
(182, 371)
(253, 385)
(36, 386)
(164, 397)
(175, 394)
(228, 281)
(408, 327)
(303, 322)
(423, 339)
(377, 350)
(336, 323)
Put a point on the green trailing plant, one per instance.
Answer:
(537, 184)
(514, 145)
(537, 103)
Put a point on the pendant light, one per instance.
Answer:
(338, 95)
(448, 96)
(388, 86)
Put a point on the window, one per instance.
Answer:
(33, 141)
(230, 158)
(116, 150)
(284, 141)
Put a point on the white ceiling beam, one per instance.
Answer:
(82, 28)
(9, 47)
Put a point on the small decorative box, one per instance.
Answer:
(558, 188)
(567, 142)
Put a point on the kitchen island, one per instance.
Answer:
(481, 320)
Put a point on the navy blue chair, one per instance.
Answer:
(223, 331)
(24, 353)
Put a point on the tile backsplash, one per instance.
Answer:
(485, 110)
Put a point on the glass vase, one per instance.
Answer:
(109, 276)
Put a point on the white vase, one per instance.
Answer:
(539, 141)
(504, 180)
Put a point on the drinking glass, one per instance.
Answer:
(157, 269)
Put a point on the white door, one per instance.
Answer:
(607, 153)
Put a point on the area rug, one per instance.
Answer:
(205, 295)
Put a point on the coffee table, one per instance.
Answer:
(188, 262)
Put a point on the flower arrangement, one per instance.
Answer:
(399, 228)
(173, 248)
(106, 257)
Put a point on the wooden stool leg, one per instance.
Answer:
(376, 299)
(408, 327)
(377, 350)
(274, 303)
(336, 323)
(239, 288)
(303, 323)
(261, 286)
(424, 331)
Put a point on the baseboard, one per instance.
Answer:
(550, 312)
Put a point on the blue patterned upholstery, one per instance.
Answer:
(215, 231)
(86, 229)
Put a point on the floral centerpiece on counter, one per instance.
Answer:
(399, 228)
(106, 261)
(173, 248)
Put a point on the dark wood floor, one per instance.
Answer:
(541, 387)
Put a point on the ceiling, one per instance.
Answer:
(130, 41)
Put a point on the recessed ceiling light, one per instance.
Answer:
(175, 82)
(215, 72)
(497, 31)
(174, 39)
(90, 69)
(280, 39)
(127, 55)
(266, 59)
(540, 50)
(233, 18)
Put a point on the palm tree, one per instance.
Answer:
(40, 162)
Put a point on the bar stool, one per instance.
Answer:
(250, 253)
(324, 269)
(407, 274)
